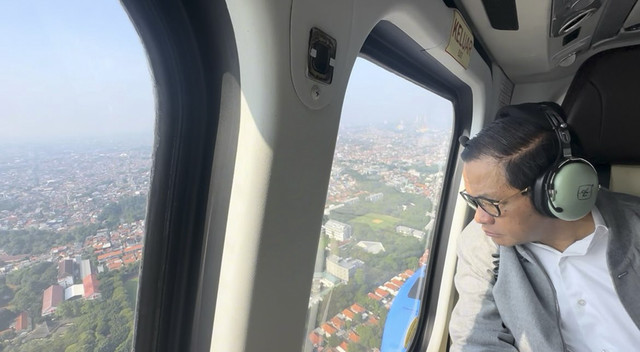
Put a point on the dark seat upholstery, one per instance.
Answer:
(603, 109)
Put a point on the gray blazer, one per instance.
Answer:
(519, 310)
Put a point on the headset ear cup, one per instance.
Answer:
(575, 185)
(539, 194)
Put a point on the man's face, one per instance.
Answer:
(518, 222)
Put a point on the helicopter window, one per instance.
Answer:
(75, 159)
(386, 181)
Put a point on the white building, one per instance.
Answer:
(408, 231)
(74, 291)
(351, 201)
(85, 268)
(371, 247)
(327, 210)
(338, 230)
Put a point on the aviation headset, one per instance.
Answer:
(569, 188)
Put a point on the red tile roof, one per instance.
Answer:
(357, 308)
(328, 329)
(344, 346)
(107, 255)
(115, 265)
(391, 286)
(133, 248)
(128, 259)
(315, 338)
(425, 257)
(51, 298)
(22, 321)
(353, 336)
(349, 314)
(337, 322)
(373, 296)
(90, 283)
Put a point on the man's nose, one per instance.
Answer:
(482, 217)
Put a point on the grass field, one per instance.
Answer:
(377, 221)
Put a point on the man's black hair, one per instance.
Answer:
(521, 139)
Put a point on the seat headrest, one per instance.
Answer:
(603, 106)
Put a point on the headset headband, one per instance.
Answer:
(561, 130)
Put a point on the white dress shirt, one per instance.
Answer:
(592, 317)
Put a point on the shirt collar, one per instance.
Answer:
(598, 220)
(582, 246)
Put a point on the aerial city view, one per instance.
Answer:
(72, 234)
(71, 239)
(75, 163)
(378, 223)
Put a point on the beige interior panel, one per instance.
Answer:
(625, 179)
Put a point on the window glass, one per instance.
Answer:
(75, 157)
(386, 182)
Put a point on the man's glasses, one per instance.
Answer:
(490, 206)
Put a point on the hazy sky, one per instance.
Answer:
(375, 94)
(71, 67)
(78, 68)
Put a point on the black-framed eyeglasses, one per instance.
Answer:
(490, 206)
